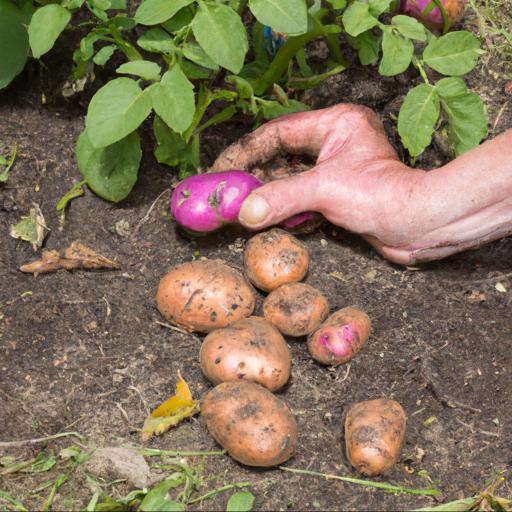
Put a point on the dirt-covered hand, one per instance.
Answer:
(358, 183)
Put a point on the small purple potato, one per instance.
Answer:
(432, 17)
(274, 258)
(340, 337)
(205, 202)
(254, 426)
(374, 434)
(251, 349)
(296, 309)
(204, 295)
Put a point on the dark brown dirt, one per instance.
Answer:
(77, 347)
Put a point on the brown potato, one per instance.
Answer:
(340, 337)
(204, 295)
(296, 309)
(250, 349)
(273, 258)
(253, 425)
(374, 433)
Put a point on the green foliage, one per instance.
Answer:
(241, 501)
(191, 67)
(14, 43)
(46, 25)
(287, 16)
(110, 171)
(115, 111)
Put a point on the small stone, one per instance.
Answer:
(113, 463)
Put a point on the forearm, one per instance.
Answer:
(459, 206)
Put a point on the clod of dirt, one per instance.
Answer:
(114, 463)
(76, 256)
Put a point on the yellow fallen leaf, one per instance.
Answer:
(171, 412)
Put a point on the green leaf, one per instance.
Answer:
(409, 27)
(195, 72)
(193, 52)
(377, 7)
(104, 54)
(156, 498)
(397, 54)
(111, 171)
(146, 69)
(287, 16)
(453, 54)
(156, 40)
(4, 173)
(87, 42)
(153, 12)
(240, 502)
(115, 111)
(367, 45)
(451, 86)
(72, 4)
(338, 4)
(45, 27)
(14, 43)
(172, 149)
(468, 122)
(417, 118)
(452, 506)
(173, 99)
(357, 19)
(221, 33)
(181, 19)
(314, 80)
(117, 4)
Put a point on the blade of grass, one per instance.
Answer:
(13, 501)
(153, 452)
(59, 482)
(14, 444)
(225, 488)
(367, 483)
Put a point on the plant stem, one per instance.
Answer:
(152, 452)
(419, 64)
(13, 444)
(367, 483)
(128, 49)
(241, 7)
(446, 20)
(280, 63)
(219, 490)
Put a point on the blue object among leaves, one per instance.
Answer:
(273, 40)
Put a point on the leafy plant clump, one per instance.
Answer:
(192, 64)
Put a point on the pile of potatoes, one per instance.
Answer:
(247, 358)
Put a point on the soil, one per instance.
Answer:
(84, 351)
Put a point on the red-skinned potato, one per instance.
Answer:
(374, 434)
(204, 295)
(250, 349)
(254, 426)
(340, 337)
(296, 309)
(274, 258)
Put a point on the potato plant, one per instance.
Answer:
(191, 64)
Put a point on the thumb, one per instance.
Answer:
(276, 201)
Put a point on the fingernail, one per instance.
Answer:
(254, 211)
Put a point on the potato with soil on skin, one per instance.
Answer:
(340, 337)
(374, 434)
(203, 295)
(274, 258)
(254, 426)
(296, 309)
(250, 349)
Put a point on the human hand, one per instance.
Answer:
(358, 182)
